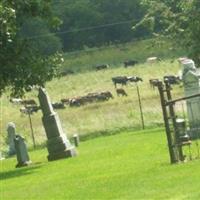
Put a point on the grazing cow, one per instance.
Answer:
(58, 105)
(77, 101)
(153, 82)
(130, 63)
(134, 79)
(172, 79)
(153, 60)
(24, 110)
(101, 97)
(181, 59)
(30, 109)
(16, 101)
(29, 102)
(33, 108)
(100, 67)
(65, 101)
(66, 72)
(120, 80)
(92, 96)
(121, 91)
(107, 94)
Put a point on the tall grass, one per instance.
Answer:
(115, 55)
(97, 118)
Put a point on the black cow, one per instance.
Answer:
(121, 91)
(100, 67)
(30, 109)
(58, 105)
(120, 80)
(154, 82)
(107, 94)
(29, 102)
(129, 63)
(65, 101)
(134, 79)
(172, 80)
(66, 72)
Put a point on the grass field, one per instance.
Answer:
(131, 165)
(105, 117)
(115, 55)
(97, 118)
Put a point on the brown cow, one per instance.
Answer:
(121, 91)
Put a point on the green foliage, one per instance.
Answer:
(78, 15)
(132, 165)
(27, 60)
(178, 20)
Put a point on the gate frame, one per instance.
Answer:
(167, 104)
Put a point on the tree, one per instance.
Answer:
(176, 19)
(26, 57)
(94, 23)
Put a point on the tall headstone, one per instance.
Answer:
(57, 143)
(21, 151)
(191, 82)
(10, 138)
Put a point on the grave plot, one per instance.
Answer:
(182, 116)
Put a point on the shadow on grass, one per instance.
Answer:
(18, 172)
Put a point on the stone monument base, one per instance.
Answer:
(71, 152)
(24, 164)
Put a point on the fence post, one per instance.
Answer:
(173, 158)
(173, 117)
(140, 106)
(31, 126)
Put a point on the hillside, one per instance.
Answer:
(98, 118)
(115, 55)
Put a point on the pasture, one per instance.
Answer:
(120, 113)
(131, 165)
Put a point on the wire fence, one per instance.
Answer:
(141, 109)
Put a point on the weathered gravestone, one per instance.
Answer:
(76, 140)
(10, 138)
(21, 151)
(191, 82)
(57, 143)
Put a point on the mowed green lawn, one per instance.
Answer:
(131, 165)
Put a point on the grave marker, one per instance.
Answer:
(21, 151)
(191, 82)
(10, 138)
(57, 143)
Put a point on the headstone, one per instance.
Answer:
(191, 82)
(76, 140)
(21, 151)
(10, 138)
(57, 143)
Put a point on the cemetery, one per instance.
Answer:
(99, 100)
(177, 143)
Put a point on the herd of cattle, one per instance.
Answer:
(127, 63)
(30, 106)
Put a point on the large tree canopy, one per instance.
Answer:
(26, 57)
(97, 22)
(177, 19)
